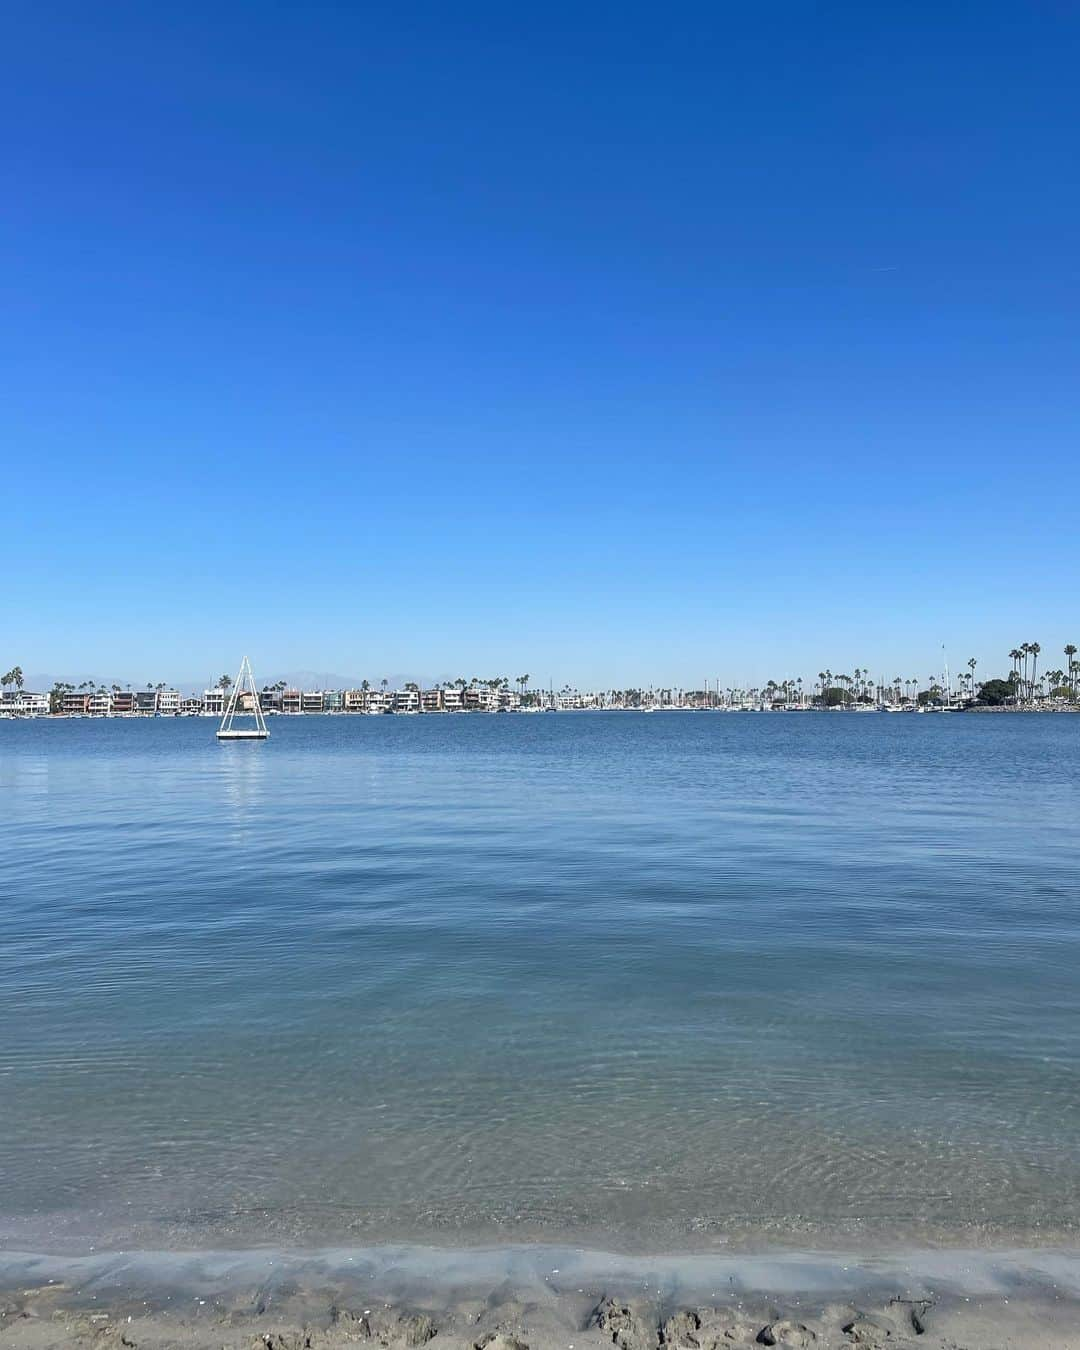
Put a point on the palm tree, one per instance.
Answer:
(972, 663)
(1070, 652)
(225, 682)
(364, 686)
(1014, 657)
(1034, 649)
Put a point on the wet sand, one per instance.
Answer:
(539, 1298)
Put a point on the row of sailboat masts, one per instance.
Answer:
(244, 689)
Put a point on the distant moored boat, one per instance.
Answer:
(234, 708)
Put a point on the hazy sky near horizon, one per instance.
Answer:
(616, 344)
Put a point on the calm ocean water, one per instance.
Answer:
(658, 980)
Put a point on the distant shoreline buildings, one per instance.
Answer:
(1023, 689)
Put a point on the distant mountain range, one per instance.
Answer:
(295, 679)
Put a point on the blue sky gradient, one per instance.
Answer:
(616, 344)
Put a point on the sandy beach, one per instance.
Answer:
(539, 1298)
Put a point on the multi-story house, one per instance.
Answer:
(146, 702)
(168, 702)
(379, 701)
(100, 703)
(431, 700)
(406, 701)
(479, 698)
(292, 701)
(22, 703)
(75, 704)
(452, 700)
(333, 700)
(509, 700)
(191, 707)
(312, 701)
(214, 702)
(270, 699)
(355, 700)
(123, 702)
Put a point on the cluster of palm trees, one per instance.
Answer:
(13, 677)
(1022, 676)
(492, 682)
(1030, 685)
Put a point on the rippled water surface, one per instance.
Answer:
(664, 979)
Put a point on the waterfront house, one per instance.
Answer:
(100, 704)
(479, 698)
(191, 707)
(214, 702)
(292, 701)
(333, 700)
(146, 702)
(312, 701)
(406, 701)
(431, 700)
(452, 700)
(22, 703)
(379, 701)
(168, 702)
(354, 700)
(75, 704)
(123, 702)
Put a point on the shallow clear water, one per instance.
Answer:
(651, 979)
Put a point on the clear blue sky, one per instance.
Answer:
(614, 343)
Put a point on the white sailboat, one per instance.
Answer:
(245, 684)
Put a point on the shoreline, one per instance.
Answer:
(539, 1297)
(342, 715)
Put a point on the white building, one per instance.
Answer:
(168, 702)
(22, 703)
(214, 702)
